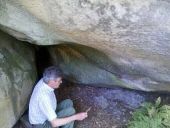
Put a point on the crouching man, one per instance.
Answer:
(43, 109)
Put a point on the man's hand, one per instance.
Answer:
(81, 116)
(62, 121)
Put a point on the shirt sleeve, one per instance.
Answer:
(47, 109)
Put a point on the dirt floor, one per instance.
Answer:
(110, 108)
(104, 111)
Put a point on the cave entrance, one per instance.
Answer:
(109, 107)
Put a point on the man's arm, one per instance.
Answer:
(62, 121)
(47, 110)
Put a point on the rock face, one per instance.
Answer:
(85, 65)
(134, 35)
(82, 64)
(17, 77)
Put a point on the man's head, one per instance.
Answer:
(52, 76)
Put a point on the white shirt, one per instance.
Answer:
(42, 104)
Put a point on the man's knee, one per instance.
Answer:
(66, 112)
(66, 103)
(69, 102)
(71, 111)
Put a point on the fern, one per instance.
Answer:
(151, 116)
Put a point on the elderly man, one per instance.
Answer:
(43, 109)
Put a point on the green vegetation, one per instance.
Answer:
(151, 115)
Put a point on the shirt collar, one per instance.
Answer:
(48, 88)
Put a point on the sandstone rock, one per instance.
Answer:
(17, 77)
(85, 65)
(134, 35)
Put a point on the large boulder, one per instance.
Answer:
(86, 65)
(17, 77)
(134, 35)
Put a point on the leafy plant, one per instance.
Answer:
(151, 116)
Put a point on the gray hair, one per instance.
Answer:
(51, 73)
